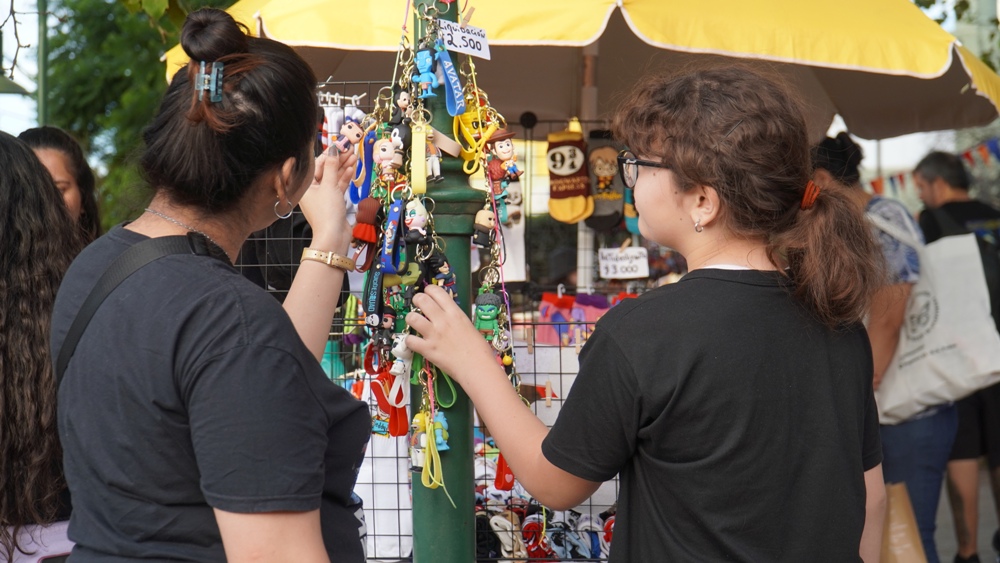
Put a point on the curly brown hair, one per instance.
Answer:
(38, 240)
(741, 133)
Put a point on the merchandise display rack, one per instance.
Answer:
(547, 371)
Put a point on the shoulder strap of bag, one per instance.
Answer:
(907, 237)
(124, 266)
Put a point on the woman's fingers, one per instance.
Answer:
(320, 167)
(346, 162)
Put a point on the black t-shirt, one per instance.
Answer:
(741, 427)
(974, 216)
(189, 391)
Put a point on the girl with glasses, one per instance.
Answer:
(736, 405)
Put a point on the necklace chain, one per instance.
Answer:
(186, 226)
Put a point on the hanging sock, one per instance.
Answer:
(570, 200)
(609, 191)
(631, 215)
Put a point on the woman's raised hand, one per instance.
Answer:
(323, 203)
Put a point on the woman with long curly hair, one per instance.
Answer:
(38, 240)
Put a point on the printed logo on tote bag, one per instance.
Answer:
(921, 314)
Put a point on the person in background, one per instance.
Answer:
(63, 157)
(196, 422)
(38, 240)
(736, 405)
(915, 452)
(943, 184)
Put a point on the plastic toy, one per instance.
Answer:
(425, 75)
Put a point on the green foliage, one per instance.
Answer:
(965, 11)
(106, 80)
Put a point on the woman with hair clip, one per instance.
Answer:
(196, 421)
(915, 452)
(736, 405)
(63, 157)
(38, 241)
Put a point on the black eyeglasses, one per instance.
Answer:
(628, 167)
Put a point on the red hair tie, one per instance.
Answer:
(810, 195)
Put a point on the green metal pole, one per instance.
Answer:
(42, 90)
(442, 533)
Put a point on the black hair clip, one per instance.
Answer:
(211, 82)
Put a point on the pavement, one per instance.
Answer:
(945, 535)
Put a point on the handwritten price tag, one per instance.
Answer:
(467, 40)
(623, 263)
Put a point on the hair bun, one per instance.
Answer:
(210, 34)
(853, 155)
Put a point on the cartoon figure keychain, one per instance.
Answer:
(426, 76)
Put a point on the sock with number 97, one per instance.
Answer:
(569, 181)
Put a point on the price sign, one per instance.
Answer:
(467, 40)
(623, 263)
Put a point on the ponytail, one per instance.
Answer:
(833, 258)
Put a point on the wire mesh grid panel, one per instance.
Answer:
(509, 523)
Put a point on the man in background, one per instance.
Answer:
(943, 184)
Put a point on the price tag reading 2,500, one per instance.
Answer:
(467, 40)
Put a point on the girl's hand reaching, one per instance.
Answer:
(447, 336)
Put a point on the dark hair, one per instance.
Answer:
(208, 154)
(947, 166)
(841, 157)
(745, 136)
(37, 242)
(48, 137)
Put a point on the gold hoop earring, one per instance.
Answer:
(286, 215)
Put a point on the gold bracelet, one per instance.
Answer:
(331, 259)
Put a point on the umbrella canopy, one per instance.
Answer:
(883, 65)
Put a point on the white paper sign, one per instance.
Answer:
(467, 40)
(623, 263)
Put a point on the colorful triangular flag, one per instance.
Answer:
(993, 145)
(878, 185)
(984, 153)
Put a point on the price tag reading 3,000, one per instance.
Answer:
(467, 40)
(623, 263)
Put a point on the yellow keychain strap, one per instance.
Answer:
(418, 158)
